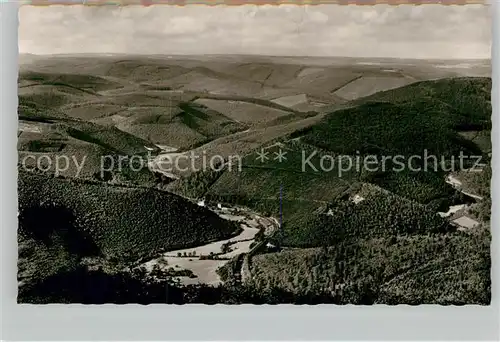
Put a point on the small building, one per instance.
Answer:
(201, 203)
(223, 208)
(465, 222)
(270, 248)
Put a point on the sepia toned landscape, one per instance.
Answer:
(236, 178)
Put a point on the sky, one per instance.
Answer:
(405, 31)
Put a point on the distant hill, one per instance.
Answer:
(467, 99)
(403, 122)
(84, 144)
(429, 114)
(143, 95)
(416, 120)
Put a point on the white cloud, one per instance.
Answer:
(427, 31)
(317, 17)
(184, 25)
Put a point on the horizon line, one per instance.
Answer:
(110, 54)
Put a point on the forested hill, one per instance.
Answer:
(124, 223)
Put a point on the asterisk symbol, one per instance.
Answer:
(262, 155)
(280, 156)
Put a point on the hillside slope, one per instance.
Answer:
(438, 269)
(414, 125)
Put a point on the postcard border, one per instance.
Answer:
(245, 2)
(198, 322)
